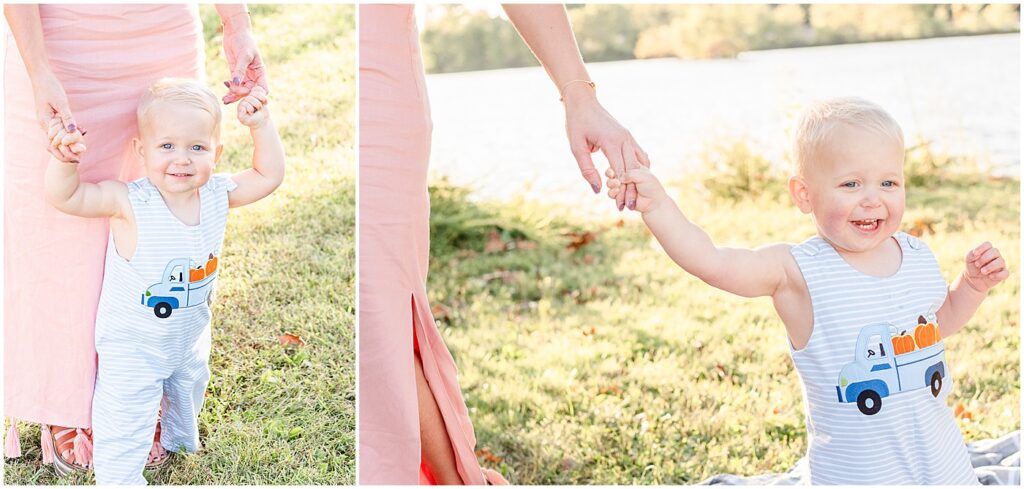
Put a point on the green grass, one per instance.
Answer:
(609, 364)
(277, 415)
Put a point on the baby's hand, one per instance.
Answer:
(985, 267)
(650, 193)
(252, 109)
(65, 146)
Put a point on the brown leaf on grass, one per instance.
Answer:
(290, 339)
(441, 311)
(620, 223)
(591, 332)
(579, 240)
(568, 464)
(921, 225)
(962, 412)
(610, 389)
(488, 456)
(494, 243)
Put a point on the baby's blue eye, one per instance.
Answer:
(850, 184)
(196, 147)
(888, 183)
(166, 146)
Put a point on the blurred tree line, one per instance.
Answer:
(457, 38)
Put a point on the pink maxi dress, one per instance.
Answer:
(394, 213)
(104, 56)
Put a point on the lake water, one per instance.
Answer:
(502, 131)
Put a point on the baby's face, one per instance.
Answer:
(177, 146)
(855, 189)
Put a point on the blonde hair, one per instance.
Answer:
(181, 91)
(820, 119)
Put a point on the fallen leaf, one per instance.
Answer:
(289, 339)
(592, 331)
(494, 243)
(488, 456)
(610, 389)
(921, 225)
(441, 311)
(579, 240)
(568, 464)
(622, 222)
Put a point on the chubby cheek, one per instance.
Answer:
(834, 213)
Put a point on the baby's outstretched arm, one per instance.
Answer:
(745, 272)
(984, 269)
(267, 170)
(65, 190)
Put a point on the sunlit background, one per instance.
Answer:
(686, 78)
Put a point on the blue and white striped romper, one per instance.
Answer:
(153, 332)
(875, 417)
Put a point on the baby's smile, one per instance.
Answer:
(867, 225)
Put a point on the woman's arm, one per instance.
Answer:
(243, 57)
(546, 30)
(50, 99)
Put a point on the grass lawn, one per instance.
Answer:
(587, 356)
(275, 414)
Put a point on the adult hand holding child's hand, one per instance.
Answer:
(985, 267)
(66, 146)
(650, 193)
(252, 110)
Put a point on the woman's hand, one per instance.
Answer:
(53, 110)
(65, 146)
(590, 127)
(244, 60)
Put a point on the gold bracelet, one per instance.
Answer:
(224, 24)
(561, 91)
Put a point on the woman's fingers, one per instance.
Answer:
(641, 155)
(581, 151)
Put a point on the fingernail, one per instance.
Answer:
(226, 84)
(71, 127)
(632, 205)
(621, 205)
(596, 187)
(236, 80)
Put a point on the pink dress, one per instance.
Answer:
(104, 56)
(394, 213)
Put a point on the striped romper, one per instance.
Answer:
(874, 372)
(153, 332)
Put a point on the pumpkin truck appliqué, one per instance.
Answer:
(182, 286)
(887, 363)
